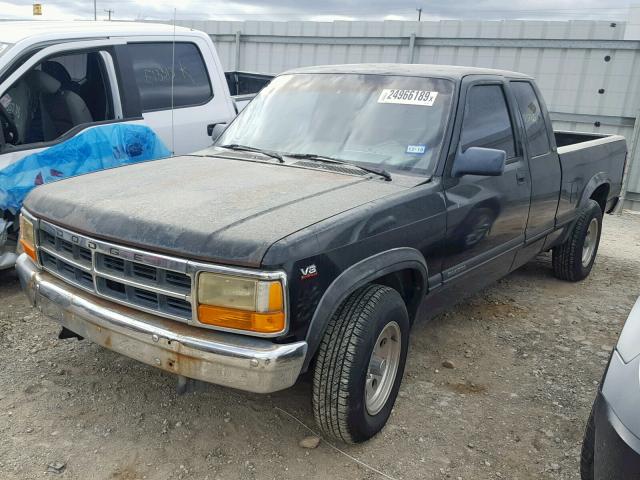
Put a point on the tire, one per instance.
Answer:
(569, 262)
(369, 317)
(588, 447)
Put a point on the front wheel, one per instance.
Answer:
(360, 364)
(573, 260)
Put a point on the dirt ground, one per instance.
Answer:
(528, 354)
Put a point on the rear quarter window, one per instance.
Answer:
(153, 71)
(529, 106)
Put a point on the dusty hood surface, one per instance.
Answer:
(213, 209)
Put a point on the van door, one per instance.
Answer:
(487, 216)
(181, 91)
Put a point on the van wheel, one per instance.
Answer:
(574, 259)
(360, 364)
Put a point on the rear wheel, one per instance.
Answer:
(573, 260)
(360, 364)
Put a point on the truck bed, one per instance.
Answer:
(565, 138)
(585, 156)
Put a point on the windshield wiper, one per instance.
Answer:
(245, 148)
(322, 158)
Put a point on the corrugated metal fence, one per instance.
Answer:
(589, 71)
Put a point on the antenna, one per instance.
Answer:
(173, 75)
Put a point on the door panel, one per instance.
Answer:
(486, 216)
(546, 177)
(544, 163)
(194, 91)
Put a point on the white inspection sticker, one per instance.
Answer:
(408, 97)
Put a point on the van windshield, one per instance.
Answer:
(389, 122)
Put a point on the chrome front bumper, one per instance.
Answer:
(245, 363)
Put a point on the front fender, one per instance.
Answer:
(356, 276)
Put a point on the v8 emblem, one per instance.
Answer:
(308, 272)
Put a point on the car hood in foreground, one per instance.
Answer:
(206, 208)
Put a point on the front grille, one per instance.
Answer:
(149, 282)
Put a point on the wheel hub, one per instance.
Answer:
(590, 241)
(383, 367)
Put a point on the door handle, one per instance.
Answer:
(521, 178)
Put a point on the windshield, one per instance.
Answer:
(382, 121)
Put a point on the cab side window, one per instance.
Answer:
(487, 122)
(529, 106)
(155, 75)
(55, 96)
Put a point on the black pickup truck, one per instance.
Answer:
(339, 201)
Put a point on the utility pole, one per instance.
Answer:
(95, 10)
(419, 13)
(109, 11)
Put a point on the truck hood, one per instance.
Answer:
(206, 208)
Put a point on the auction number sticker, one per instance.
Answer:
(408, 97)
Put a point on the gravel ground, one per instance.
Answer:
(527, 356)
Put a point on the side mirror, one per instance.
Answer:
(217, 130)
(479, 161)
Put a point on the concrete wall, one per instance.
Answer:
(589, 71)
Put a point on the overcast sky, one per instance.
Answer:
(323, 10)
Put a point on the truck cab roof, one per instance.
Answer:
(452, 72)
(36, 31)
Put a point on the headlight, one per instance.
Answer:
(239, 303)
(27, 237)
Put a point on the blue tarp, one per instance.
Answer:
(97, 148)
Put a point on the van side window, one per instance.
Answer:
(57, 95)
(529, 106)
(486, 120)
(152, 68)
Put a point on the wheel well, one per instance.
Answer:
(600, 195)
(409, 284)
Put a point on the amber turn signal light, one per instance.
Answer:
(270, 322)
(27, 238)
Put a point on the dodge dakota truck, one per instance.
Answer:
(343, 204)
(64, 83)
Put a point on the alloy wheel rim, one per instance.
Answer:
(383, 368)
(590, 241)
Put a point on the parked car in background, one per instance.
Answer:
(611, 446)
(339, 201)
(60, 79)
